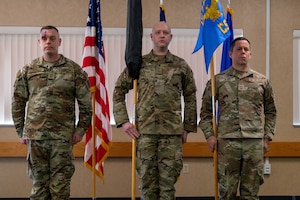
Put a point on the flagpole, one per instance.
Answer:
(133, 163)
(214, 124)
(208, 32)
(133, 59)
(94, 149)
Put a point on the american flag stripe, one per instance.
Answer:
(93, 63)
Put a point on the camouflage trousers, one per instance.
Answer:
(159, 162)
(50, 167)
(240, 165)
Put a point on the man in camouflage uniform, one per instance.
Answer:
(243, 138)
(160, 130)
(49, 86)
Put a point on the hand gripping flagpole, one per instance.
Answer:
(213, 31)
(214, 125)
(133, 58)
(133, 162)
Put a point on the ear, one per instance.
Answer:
(230, 54)
(151, 36)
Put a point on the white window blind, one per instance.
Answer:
(296, 76)
(18, 46)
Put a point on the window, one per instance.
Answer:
(296, 75)
(18, 46)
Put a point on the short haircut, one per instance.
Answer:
(232, 44)
(49, 27)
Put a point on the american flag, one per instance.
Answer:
(93, 62)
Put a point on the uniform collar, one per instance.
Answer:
(60, 61)
(233, 72)
(153, 57)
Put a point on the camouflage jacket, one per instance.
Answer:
(242, 97)
(49, 94)
(161, 84)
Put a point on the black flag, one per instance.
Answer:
(134, 35)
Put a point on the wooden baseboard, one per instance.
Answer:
(178, 198)
(123, 149)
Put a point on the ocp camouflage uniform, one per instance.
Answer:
(162, 81)
(241, 96)
(50, 90)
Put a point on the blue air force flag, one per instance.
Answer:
(213, 29)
